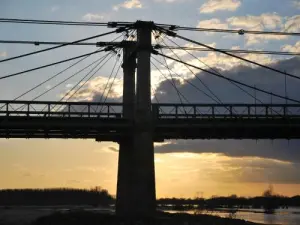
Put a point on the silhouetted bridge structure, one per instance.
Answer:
(136, 123)
(105, 121)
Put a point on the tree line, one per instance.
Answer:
(97, 196)
(56, 196)
(256, 202)
(269, 201)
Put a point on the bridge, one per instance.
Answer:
(106, 122)
(136, 122)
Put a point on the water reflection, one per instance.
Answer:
(289, 216)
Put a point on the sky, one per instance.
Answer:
(183, 168)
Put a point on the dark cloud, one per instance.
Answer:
(278, 149)
(228, 93)
(260, 77)
(260, 171)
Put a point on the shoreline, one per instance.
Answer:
(80, 216)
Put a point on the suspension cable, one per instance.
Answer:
(62, 45)
(52, 64)
(170, 33)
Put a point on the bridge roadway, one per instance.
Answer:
(104, 121)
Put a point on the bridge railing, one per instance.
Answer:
(60, 109)
(180, 111)
(160, 111)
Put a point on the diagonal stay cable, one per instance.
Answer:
(170, 33)
(239, 51)
(156, 99)
(63, 45)
(51, 64)
(40, 84)
(186, 80)
(63, 81)
(227, 78)
(45, 81)
(80, 84)
(216, 71)
(218, 100)
(55, 75)
(211, 68)
(111, 84)
(129, 36)
(107, 83)
(174, 84)
(169, 79)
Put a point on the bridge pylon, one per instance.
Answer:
(136, 195)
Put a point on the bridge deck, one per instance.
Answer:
(105, 122)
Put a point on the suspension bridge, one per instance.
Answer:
(137, 122)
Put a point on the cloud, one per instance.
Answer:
(263, 22)
(255, 170)
(130, 4)
(263, 38)
(292, 24)
(266, 21)
(262, 78)
(212, 59)
(291, 48)
(91, 17)
(215, 23)
(220, 5)
(93, 89)
(3, 54)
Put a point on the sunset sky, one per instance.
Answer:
(183, 168)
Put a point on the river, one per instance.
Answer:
(289, 216)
